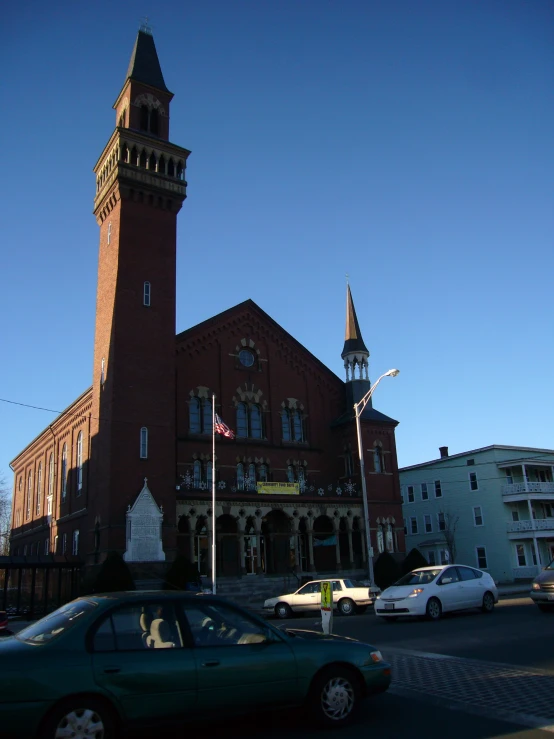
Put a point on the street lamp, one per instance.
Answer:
(358, 410)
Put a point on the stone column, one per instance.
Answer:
(241, 525)
(258, 528)
(336, 525)
(192, 534)
(295, 527)
(350, 546)
(310, 532)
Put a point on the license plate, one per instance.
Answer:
(389, 606)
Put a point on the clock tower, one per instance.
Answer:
(140, 188)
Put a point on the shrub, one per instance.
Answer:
(413, 560)
(180, 572)
(113, 575)
(386, 570)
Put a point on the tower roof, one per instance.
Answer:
(353, 342)
(145, 65)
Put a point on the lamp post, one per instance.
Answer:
(358, 410)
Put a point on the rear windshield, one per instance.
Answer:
(353, 584)
(55, 624)
(419, 577)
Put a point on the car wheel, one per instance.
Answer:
(334, 697)
(346, 607)
(488, 603)
(80, 717)
(434, 609)
(283, 610)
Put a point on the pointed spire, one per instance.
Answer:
(353, 342)
(144, 65)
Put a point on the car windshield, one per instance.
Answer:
(419, 577)
(57, 623)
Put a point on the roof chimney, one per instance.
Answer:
(443, 451)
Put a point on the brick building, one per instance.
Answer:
(136, 448)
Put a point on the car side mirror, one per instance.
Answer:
(445, 581)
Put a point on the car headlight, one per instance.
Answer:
(377, 597)
(536, 586)
(415, 592)
(375, 656)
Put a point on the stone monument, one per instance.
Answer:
(144, 529)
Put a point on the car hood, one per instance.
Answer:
(317, 635)
(399, 591)
(545, 576)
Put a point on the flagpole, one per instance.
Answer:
(213, 494)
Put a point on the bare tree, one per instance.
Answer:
(449, 532)
(5, 515)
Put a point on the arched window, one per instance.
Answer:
(161, 164)
(249, 421)
(207, 419)
(209, 471)
(144, 118)
(152, 162)
(146, 294)
(195, 426)
(39, 487)
(170, 168)
(292, 425)
(377, 459)
(240, 476)
(80, 462)
(51, 475)
(197, 474)
(64, 471)
(290, 473)
(142, 159)
(251, 477)
(29, 494)
(262, 473)
(380, 538)
(389, 539)
(301, 476)
(348, 463)
(144, 443)
(154, 121)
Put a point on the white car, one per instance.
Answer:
(432, 591)
(349, 597)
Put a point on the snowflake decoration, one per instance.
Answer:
(350, 487)
(221, 485)
(233, 489)
(329, 488)
(312, 488)
(320, 491)
(187, 480)
(339, 491)
(203, 485)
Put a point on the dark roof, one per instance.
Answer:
(353, 341)
(368, 414)
(145, 65)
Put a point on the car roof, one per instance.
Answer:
(443, 567)
(132, 595)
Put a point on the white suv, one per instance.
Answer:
(349, 597)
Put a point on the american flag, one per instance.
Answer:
(222, 428)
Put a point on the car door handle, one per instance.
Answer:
(211, 663)
(112, 670)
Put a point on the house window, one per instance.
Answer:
(200, 416)
(438, 489)
(144, 443)
(240, 476)
(413, 525)
(515, 515)
(547, 510)
(146, 294)
(378, 461)
(520, 555)
(109, 232)
(444, 556)
(405, 527)
(481, 558)
(64, 471)
(75, 547)
(509, 477)
(197, 474)
(470, 462)
(292, 426)
(64, 543)
(290, 473)
(80, 462)
(49, 505)
(29, 495)
(424, 491)
(249, 421)
(39, 488)
(51, 475)
(428, 523)
(410, 494)
(473, 484)
(478, 515)
(441, 521)
(431, 557)
(262, 473)
(250, 480)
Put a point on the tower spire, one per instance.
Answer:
(354, 353)
(144, 65)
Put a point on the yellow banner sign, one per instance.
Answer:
(326, 596)
(279, 488)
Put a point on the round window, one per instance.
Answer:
(246, 358)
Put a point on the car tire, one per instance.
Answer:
(334, 697)
(433, 610)
(488, 602)
(80, 713)
(283, 610)
(346, 607)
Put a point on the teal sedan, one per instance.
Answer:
(105, 663)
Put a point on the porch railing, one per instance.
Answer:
(537, 524)
(517, 488)
(526, 573)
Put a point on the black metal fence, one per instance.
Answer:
(34, 586)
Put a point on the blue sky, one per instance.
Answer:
(408, 144)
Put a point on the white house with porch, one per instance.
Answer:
(491, 508)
